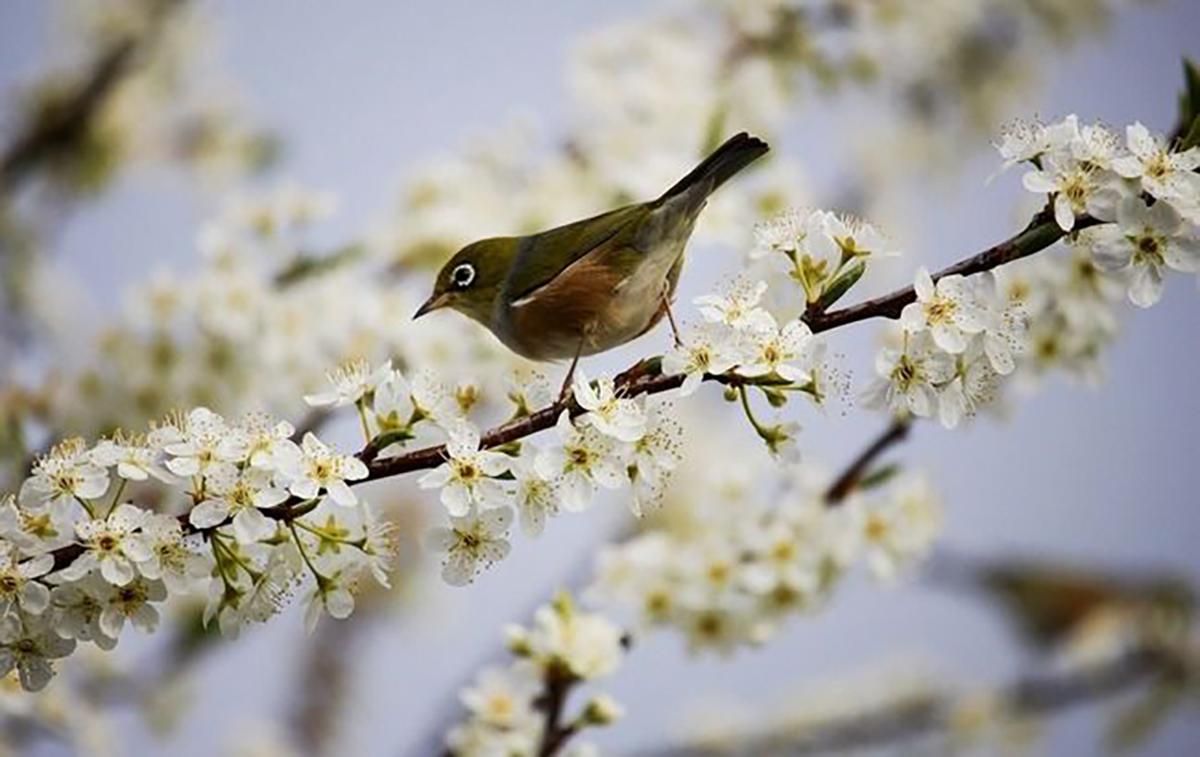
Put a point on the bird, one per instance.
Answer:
(589, 286)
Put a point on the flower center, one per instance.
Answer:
(1075, 189)
(710, 625)
(106, 543)
(783, 551)
(876, 529)
(905, 373)
(1149, 249)
(469, 541)
(1158, 166)
(941, 310)
(9, 584)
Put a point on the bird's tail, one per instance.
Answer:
(735, 154)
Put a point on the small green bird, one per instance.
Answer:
(592, 285)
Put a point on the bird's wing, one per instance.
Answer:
(548, 254)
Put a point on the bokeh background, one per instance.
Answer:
(362, 93)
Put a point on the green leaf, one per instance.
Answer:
(1192, 137)
(1134, 725)
(878, 477)
(1191, 76)
(308, 265)
(1189, 101)
(841, 284)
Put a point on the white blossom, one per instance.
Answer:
(736, 306)
(1144, 241)
(1164, 174)
(622, 418)
(29, 645)
(200, 447)
(19, 584)
(773, 350)
(472, 541)
(350, 383)
(503, 697)
(240, 496)
(131, 602)
(709, 349)
(1078, 189)
(468, 477)
(583, 459)
(586, 644)
(900, 530)
(908, 379)
(113, 545)
(320, 468)
(133, 459)
(536, 497)
(66, 475)
(948, 310)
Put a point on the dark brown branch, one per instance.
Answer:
(1040, 234)
(1039, 695)
(646, 377)
(558, 685)
(846, 483)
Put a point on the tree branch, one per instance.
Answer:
(1039, 695)
(846, 483)
(646, 378)
(1042, 232)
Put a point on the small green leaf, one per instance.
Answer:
(1189, 102)
(1134, 725)
(848, 277)
(878, 477)
(1191, 76)
(1192, 137)
(775, 397)
(308, 265)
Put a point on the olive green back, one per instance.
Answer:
(544, 255)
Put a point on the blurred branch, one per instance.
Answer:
(61, 126)
(855, 473)
(1034, 696)
(323, 685)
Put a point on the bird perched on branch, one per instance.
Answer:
(592, 285)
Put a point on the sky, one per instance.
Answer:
(363, 92)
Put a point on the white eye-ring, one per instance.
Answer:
(462, 275)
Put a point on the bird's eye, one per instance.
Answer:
(462, 275)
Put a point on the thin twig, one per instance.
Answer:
(846, 483)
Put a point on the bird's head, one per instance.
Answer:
(471, 281)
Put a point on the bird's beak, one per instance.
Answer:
(434, 302)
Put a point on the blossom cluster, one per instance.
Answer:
(732, 580)
(509, 707)
(963, 335)
(616, 442)
(241, 514)
(1145, 190)
(739, 336)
